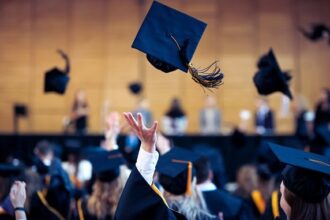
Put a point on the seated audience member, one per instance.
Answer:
(210, 117)
(305, 187)
(175, 120)
(218, 200)
(176, 176)
(264, 118)
(247, 181)
(109, 184)
(54, 199)
(17, 197)
(140, 198)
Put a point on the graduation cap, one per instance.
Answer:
(317, 32)
(170, 38)
(9, 170)
(106, 164)
(323, 132)
(176, 170)
(135, 88)
(306, 174)
(270, 78)
(56, 80)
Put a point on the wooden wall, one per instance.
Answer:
(98, 34)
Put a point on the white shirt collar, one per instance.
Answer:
(206, 186)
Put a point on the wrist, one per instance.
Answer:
(19, 208)
(150, 148)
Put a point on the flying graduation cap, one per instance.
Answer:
(307, 175)
(270, 78)
(317, 32)
(176, 170)
(135, 88)
(170, 38)
(56, 80)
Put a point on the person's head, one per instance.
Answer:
(247, 179)
(261, 102)
(44, 151)
(175, 104)
(104, 198)
(80, 96)
(143, 103)
(203, 170)
(210, 101)
(299, 104)
(297, 208)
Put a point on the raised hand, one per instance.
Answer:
(112, 125)
(147, 136)
(18, 194)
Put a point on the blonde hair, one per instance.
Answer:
(192, 207)
(105, 196)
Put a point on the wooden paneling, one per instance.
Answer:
(98, 34)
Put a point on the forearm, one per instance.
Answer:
(146, 164)
(20, 215)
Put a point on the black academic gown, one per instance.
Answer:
(221, 201)
(139, 201)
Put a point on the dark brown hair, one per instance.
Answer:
(301, 210)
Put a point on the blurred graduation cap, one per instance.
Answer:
(323, 132)
(170, 38)
(9, 170)
(135, 88)
(306, 174)
(317, 32)
(20, 110)
(176, 170)
(106, 164)
(270, 78)
(56, 80)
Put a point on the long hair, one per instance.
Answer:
(301, 210)
(192, 207)
(105, 196)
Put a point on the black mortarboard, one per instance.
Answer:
(20, 110)
(56, 80)
(270, 78)
(317, 32)
(135, 88)
(106, 164)
(8, 170)
(306, 174)
(170, 38)
(176, 170)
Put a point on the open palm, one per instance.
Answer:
(146, 135)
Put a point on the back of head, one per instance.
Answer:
(43, 148)
(203, 169)
(302, 210)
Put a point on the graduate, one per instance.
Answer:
(306, 184)
(218, 200)
(177, 177)
(109, 184)
(141, 199)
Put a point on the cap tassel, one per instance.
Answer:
(204, 78)
(189, 176)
